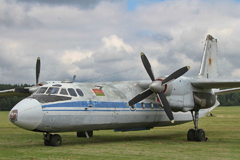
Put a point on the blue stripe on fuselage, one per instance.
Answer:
(96, 106)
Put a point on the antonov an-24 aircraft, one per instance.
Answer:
(64, 106)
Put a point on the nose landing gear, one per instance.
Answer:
(52, 140)
(196, 134)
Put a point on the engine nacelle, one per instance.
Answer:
(181, 98)
(204, 100)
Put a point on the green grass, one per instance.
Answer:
(223, 131)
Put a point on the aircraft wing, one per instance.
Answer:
(15, 92)
(221, 83)
(144, 84)
(225, 91)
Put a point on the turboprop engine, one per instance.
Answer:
(158, 87)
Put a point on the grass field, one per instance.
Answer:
(223, 131)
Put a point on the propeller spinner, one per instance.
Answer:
(157, 87)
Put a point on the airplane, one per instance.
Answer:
(66, 106)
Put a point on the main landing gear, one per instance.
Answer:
(85, 134)
(196, 134)
(52, 140)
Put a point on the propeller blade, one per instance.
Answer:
(74, 77)
(140, 97)
(38, 65)
(147, 66)
(176, 74)
(166, 106)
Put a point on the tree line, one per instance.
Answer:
(7, 103)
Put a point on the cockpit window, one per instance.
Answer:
(63, 91)
(42, 90)
(72, 92)
(52, 90)
(80, 93)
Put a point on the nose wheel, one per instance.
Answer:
(196, 134)
(52, 140)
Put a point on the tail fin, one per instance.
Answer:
(209, 65)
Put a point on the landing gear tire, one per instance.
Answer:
(52, 140)
(47, 143)
(90, 133)
(191, 135)
(200, 135)
(56, 140)
(81, 134)
(47, 139)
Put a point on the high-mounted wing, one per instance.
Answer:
(15, 92)
(221, 83)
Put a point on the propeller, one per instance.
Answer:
(38, 65)
(157, 87)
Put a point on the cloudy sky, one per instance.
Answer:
(101, 40)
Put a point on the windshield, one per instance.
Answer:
(52, 90)
(42, 90)
(60, 91)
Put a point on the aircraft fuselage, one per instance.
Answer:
(64, 107)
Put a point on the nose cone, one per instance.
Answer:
(27, 114)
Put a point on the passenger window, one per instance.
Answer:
(72, 92)
(42, 90)
(63, 91)
(80, 93)
(52, 90)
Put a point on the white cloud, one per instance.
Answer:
(236, 73)
(72, 56)
(105, 38)
(114, 41)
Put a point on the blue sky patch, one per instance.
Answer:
(132, 4)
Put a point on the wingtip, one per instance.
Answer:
(172, 121)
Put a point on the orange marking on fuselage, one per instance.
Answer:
(210, 61)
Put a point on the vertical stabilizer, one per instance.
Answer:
(209, 65)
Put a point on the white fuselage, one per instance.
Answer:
(100, 106)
